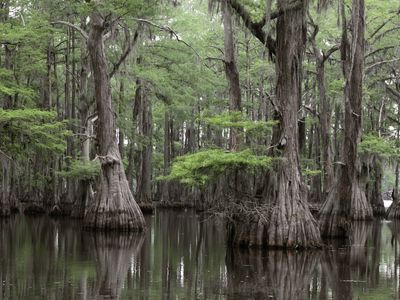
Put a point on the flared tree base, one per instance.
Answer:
(292, 226)
(379, 211)
(114, 207)
(393, 212)
(360, 208)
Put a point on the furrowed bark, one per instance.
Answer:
(114, 207)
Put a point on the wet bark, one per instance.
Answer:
(114, 207)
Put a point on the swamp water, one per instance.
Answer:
(182, 257)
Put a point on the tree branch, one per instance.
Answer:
(73, 26)
(127, 49)
(168, 29)
(368, 68)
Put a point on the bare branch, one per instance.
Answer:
(127, 49)
(168, 29)
(370, 67)
(73, 26)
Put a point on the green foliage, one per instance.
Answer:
(83, 170)
(201, 167)
(236, 120)
(308, 173)
(25, 130)
(372, 144)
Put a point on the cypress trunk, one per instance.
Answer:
(347, 200)
(288, 222)
(114, 207)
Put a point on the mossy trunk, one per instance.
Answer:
(114, 207)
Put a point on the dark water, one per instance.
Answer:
(182, 258)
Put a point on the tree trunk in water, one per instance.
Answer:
(375, 195)
(347, 200)
(325, 123)
(5, 186)
(144, 197)
(114, 207)
(287, 222)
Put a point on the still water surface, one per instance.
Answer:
(183, 257)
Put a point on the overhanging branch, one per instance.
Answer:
(73, 26)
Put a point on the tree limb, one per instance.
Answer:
(368, 68)
(127, 49)
(168, 29)
(73, 26)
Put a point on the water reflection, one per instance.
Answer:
(183, 256)
(114, 252)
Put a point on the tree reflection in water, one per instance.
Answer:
(182, 256)
(114, 252)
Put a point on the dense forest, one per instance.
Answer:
(280, 116)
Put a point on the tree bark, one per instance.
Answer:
(231, 72)
(288, 222)
(144, 197)
(347, 200)
(114, 207)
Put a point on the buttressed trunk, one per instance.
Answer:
(347, 200)
(291, 222)
(114, 207)
(288, 223)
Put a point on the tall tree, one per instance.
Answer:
(347, 199)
